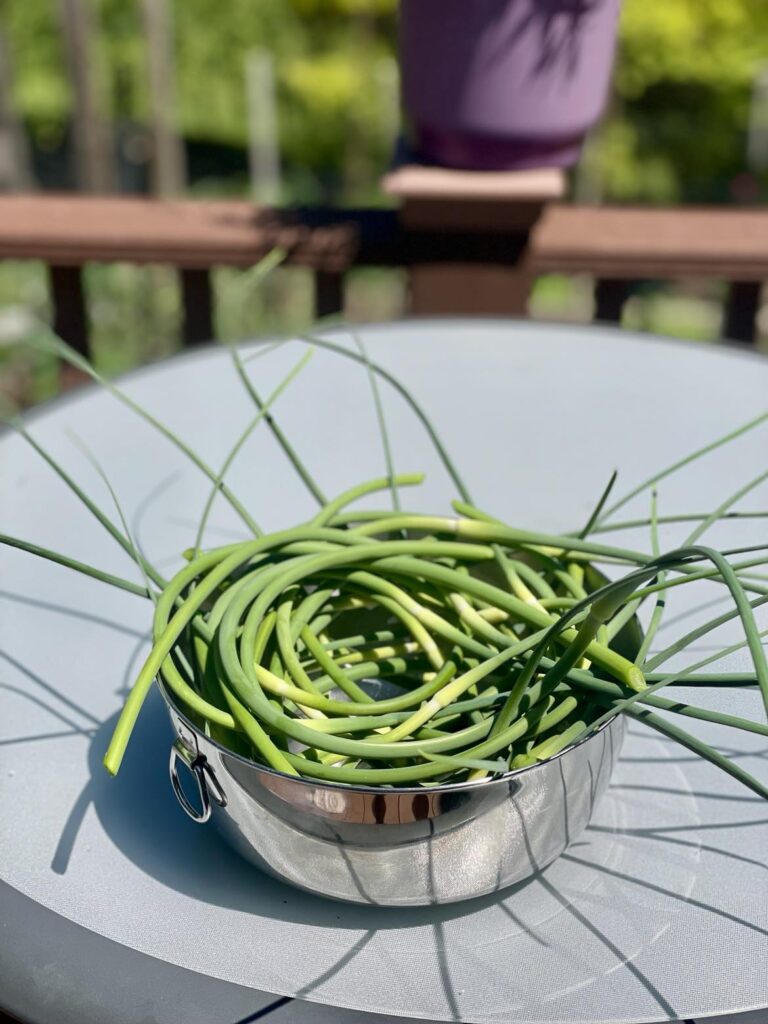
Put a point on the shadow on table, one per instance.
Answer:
(139, 813)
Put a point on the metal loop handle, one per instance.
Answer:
(207, 784)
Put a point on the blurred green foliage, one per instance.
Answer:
(678, 126)
(676, 129)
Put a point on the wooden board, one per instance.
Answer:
(620, 242)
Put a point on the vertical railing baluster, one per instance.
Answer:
(329, 293)
(70, 318)
(741, 309)
(610, 297)
(197, 304)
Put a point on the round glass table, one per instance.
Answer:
(115, 906)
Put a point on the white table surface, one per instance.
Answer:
(115, 907)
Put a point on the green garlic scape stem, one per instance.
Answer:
(493, 647)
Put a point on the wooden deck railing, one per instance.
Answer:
(617, 245)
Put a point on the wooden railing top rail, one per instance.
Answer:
(70, 230)
(619, 242)
(643, 242)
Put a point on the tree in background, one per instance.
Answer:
(676, 131)
(683, 84)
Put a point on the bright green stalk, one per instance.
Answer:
(687, 460)
(241, 441)
(723, 507)
(699, 748)
(691, 576)
(329, 666)
(257, 735)
(658, 609)
(590, 524)
(409, 399)
(412, 773)
(628, 701)
(700, 631)
(608, 659)
(282, 440)
(552, 745)
(331, 508)
(144, 566)
(218, 566)
(56, 347)
(255, 614)
(92, 507)
(287, 651)
(612, 690)
(165, 641)
(455, 689)
(381, 419)
(72, 563)
(688, 517)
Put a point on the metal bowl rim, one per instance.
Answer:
(347, 787)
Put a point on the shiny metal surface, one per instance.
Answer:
(116, 907)
(397, 847)
(205, 780)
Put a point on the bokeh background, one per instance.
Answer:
(687, 122)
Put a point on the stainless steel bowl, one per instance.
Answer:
(395, 847)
